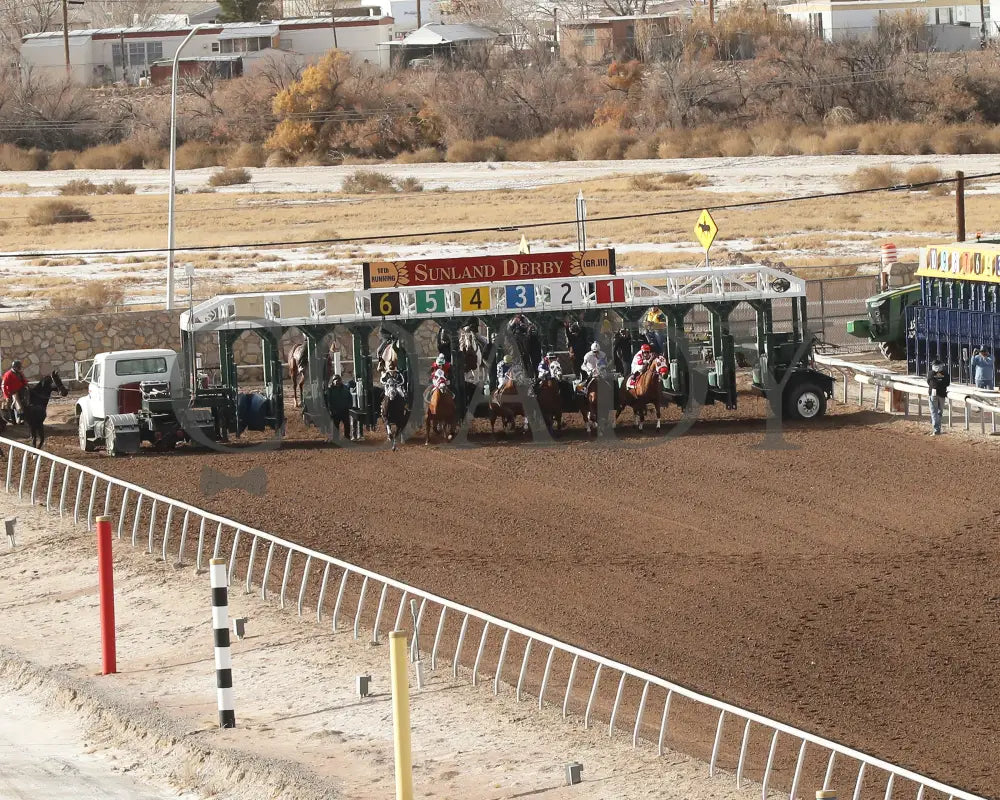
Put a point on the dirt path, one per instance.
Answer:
(45, 754)
(777, 174)
(848, 586)
(302, 733)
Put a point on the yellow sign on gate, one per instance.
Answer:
(705, 229)
(476, 298)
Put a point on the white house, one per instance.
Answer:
(951, 27)
(96, 56)
(404, 12)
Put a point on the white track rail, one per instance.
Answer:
(882, 379)
(45, 478)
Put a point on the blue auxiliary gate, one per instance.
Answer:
(959, 308)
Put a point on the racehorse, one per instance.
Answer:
(648, 389)
(599, 386)
(298, 367)
(471, 346)
(506, 408)
(440, 410)
(395, 412)
(550, 402)
(35, 403)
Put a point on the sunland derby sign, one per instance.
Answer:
(962, 261)
(522, 266)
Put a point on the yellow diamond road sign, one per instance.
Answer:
(705, 229)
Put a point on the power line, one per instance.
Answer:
(495, 228)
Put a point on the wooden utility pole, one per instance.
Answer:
(711, 13)
(333, 23)
(960, 206)
(418, 13)
(65, 10)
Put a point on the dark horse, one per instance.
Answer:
(35, 403)
(395, 412)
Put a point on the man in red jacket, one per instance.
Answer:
(13, 382)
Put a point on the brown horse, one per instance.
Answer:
(550, 403)
(648, 389)
(440, 410)
(506, 408)
(597, 387)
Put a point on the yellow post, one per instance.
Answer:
(401, 714)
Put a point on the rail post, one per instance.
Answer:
(223, 657)
(401, 715)
(106, 582)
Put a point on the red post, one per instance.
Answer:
(106, 580)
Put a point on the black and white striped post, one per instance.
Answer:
(223, 657)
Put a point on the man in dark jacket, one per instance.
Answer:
(937, 385)
(339, 401)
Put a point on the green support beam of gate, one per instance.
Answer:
(273, 376)
(363, 372)
(723, 350)
(314, 389)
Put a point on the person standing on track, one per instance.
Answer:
(983, 370)
(13, 384)
(937, 383)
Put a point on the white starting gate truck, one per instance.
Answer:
(129, 401)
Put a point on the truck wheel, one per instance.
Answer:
(112, 445)
(894, 351)
(87, 444)
(805, 401)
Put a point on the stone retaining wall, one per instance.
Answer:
(48, 343)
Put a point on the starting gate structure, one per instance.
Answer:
(784, 371)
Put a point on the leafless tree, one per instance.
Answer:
(18, 18)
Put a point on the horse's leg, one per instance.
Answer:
(640, 414)
(657, 405)
(427, 427)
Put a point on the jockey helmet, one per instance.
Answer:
(595, 348)
(508, 359)
(440, 359)
(646, 349)
(663, 370)
(16, 364)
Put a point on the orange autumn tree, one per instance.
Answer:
(339, 104)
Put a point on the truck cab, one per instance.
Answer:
(118, 383)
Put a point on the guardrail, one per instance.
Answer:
(915, 388)
(25, 476)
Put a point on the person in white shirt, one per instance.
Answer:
(594, 362)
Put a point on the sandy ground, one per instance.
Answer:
(779, 175)
(45, 754)
(302, 732)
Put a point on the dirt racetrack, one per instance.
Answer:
(848, 586)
